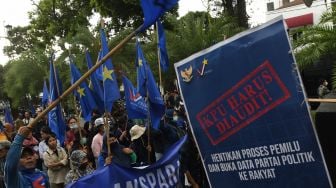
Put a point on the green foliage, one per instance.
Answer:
(25, 76)
(59, 18)
(316, 42)
(56, 23)
(123, 13)
(2, 81)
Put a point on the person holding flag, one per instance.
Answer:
(20, 170)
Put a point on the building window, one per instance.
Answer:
(270, 6)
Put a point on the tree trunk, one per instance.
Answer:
(241, 14)
(228, 7)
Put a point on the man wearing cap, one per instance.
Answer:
(20, 171)
(97, 141)
(4, 147)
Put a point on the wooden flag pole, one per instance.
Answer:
(322, 100)
(81, 79)
(107, 130)
(159, 57)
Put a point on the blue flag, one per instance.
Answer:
(111, 89)
(96, 85)
(8, 116)
(45, 97)
(99, 71)
(141, 64)
(163, 173)
(162, 47)
(55, 117)
(154, 9)
(147, 84)
(156, 103)
(83, 93)
(136, 105)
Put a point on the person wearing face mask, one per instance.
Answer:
(79, 166)
(97, 141)
(74, 140)
(56, 159)
(20, 170)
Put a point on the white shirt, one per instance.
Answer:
(43, 147)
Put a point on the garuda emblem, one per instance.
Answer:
(187, 74)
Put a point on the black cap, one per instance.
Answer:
(27, 151)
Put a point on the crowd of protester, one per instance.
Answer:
(36, 158)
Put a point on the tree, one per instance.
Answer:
(123, 13)
(190, 34)
(2, 81)
(25, 76)
(316, 42)
(236, 9)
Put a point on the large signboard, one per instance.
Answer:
(246, 106)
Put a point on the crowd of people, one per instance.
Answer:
(34, 157)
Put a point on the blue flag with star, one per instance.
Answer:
(162, 47)
(83, 93)
(96, 85)
(8, 116)
(141, 64)
(136, 105)
(99, 71)
(45, 96)
(154, 9)
(111, 89)
(55, 117)
(147, 84)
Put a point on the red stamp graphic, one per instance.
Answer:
(251, 98)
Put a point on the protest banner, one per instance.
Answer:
(163, 173)
(247, 108)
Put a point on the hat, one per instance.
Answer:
(99, 121)
(4, 143)
(27, 151)
(137, 131)
(76, 157)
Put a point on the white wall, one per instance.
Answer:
(317, 8)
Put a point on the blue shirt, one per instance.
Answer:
(22, 178)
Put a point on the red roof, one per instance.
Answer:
(299, 21)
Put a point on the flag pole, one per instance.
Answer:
(75, 106)
(106, 114)
(159, 57)
(57, 87)
(81, 79)
(107, 130)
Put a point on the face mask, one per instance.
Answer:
(83, 141)
(175, 118)
(74, 126)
